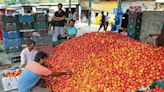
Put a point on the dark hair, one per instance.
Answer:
(30, 42)
(72, 20)
(127, 10)
(60, 4)
(40, 55)
(102, 12)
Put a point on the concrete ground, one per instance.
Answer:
(4, 59)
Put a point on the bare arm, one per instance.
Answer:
(58, 74)
(58, 18)
(71, 36)
(23, 59)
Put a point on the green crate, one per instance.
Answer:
(131, 28)
(13, 49)
(41, 25)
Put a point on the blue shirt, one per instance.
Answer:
(71, 30)
(27, 80)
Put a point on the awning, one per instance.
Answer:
(105, 6)
(102, 6)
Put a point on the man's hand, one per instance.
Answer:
(49, 78)
(65, 35)
(23, 66)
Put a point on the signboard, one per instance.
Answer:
(12, 2)
(53, 1)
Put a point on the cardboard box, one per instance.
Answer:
(10, 83)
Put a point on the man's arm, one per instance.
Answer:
(50, 78)
(58, 18)
(70, 36)
(23, 59)
(58, 74)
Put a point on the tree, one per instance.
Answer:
(10, 2)
(23, 2)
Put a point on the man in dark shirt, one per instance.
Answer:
(59, 21)
(125, 21)
(103, 22)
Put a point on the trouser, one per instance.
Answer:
(56, 32)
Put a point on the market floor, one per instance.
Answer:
(4, 59)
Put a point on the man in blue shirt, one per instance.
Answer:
(71, 30)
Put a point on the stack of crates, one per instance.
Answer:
(26, 26)
(40, 36)
(134, 24)
(11, 34)
(0, 28)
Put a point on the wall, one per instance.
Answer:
(150, 5)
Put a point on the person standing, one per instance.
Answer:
(125, 21)
(107, 21)
(28, 53)
(59, 21)
(103, 24)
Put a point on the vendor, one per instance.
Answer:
(33, 71)
(124, 24)
(71, 30)
(28, 53)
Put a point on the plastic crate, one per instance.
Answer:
(40, 17)
(41, 25)
(131, 35)
(13, 49)
(0, 35)
(11, 35)
(26, 26)
(26, 18)
(26, 34)
(132, 21)
(10, 27)
(137, 35)
(131, 29)
(45, 48)
(0, 18)
(42, 40)
(12, 42)
(9, 18)
(24, 41)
